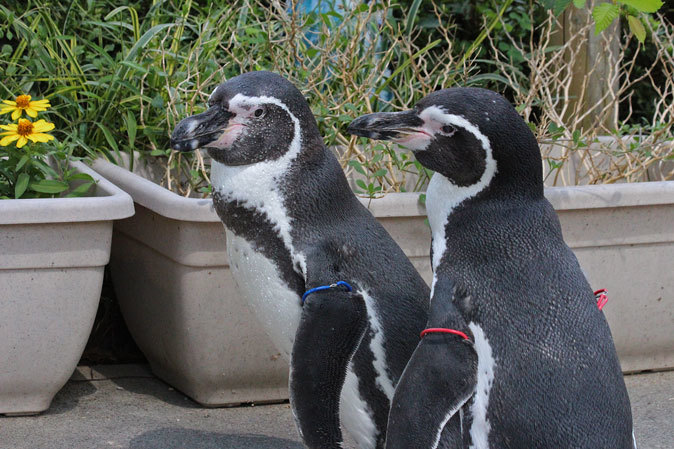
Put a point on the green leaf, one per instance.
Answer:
(357, 166)
(144, 39)
(157, 101)
(22, 162)
(48, 186)
(637, 28)
(579, 3)
(361, 184)
(131, 127)
(80, 177)
(603, 15)
(576, 136)
(557, 6)
(135, 66)
(411, 15)
(80, 190)
(643, 5)
(404, 65)
(380, 173)
(44, 168)
(21, 185)
(108, 136)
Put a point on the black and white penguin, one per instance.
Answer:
(522, 354)
(292, 224)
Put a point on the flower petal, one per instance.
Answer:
(40, 137)
(9, 102)
(21, 142)
(8, 139)
(10, 127)
(42, 126)
(43, 102)
(6, 109)
(16, 114)
(31, 112)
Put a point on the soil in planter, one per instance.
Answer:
(110, 341)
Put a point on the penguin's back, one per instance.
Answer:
(554, 363)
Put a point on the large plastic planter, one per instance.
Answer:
(623, 236)
(52, 256)
(174, 287)
(172, 277)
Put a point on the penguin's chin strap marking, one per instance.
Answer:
(442, 330)
(326, 287)
(602, 298)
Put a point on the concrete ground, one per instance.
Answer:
(128, 408)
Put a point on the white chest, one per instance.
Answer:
(276, 306)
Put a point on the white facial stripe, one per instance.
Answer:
(434, 115)
(213, 93)
(442, 196)
(256, 186)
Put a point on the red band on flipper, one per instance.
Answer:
(442, 330)
(602, 298)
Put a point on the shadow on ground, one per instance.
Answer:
(69, 397)
(175, 438)
(157, 388)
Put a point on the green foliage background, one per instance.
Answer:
(120, 77)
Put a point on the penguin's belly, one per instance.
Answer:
(275, 305)
(278, 310)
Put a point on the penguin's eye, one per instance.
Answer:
(448, 130)
(259, 112)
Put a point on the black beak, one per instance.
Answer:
(385, 125)
(199, 130)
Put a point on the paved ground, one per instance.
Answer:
(145, 413)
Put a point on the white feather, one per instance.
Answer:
(442, 196)
(256, 186)
(479, 430)
(355, 415)
(383, 380)
(276, 307)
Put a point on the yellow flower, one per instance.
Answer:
(26, 130)
(23, 103)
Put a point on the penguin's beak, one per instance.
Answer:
(395, 126)
(199, 130)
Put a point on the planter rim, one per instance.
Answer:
(110, 203)
(155, 197)
(174, 206)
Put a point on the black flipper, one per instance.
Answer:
(438, 380)
(332, 325)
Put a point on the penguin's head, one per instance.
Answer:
(471, 136)
(254, 117)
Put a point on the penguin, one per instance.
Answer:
(292, 224)
(517, 347)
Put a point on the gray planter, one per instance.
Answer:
(52, 256)
(623, 236)
(172, 277)
(178, 298)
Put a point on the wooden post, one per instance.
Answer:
(599, 55)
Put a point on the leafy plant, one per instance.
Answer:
(636, 12)
(121, 76)
(30, 166)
